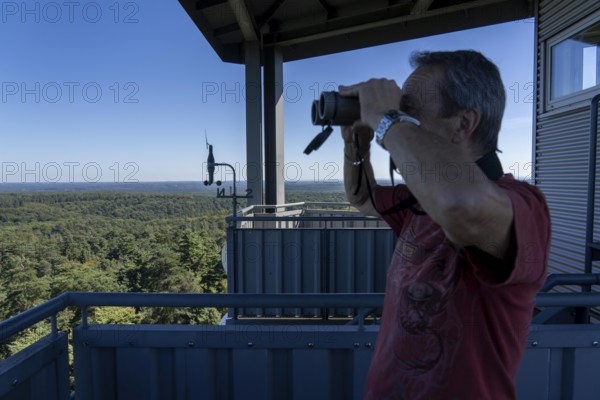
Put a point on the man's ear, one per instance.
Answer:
(468, 121)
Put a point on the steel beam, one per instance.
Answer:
(274, 160)
(420, 7)
(203, 4)
(254, 152)
(244, 19)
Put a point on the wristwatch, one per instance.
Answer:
(389, 119)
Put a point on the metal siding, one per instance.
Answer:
(280, 370)
(164, 374)
(38, 372)
(561, 147)
(342, 265)
(249, 265)
(240, 362)
(250, 376)
(310, 260)
(360, 258)
(365, 261)
(85, 371)
(273, 266)
(196, 373)
(585, 382)
(385, 245)
(341, 363)
(310, 374)
(561, 173)
(136, 377)
(104, 361)
(556, 15)
(534, 368)
(44, 384)
(313, 254)
(308, 362)
(223, 383)
(361, 364)
(560, 362)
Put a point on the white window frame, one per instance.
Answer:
(577, 99)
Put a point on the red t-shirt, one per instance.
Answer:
(453, 328)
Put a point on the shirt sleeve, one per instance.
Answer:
(387, 197)
(531, 241)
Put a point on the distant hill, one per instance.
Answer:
(172, 187)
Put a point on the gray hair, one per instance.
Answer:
(470, 81)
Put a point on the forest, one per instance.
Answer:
(86, 241)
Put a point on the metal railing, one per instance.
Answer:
(349, 342)
(52, 307)
(284, 214)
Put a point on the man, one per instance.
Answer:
(472, 242)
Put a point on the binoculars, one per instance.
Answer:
(333, 109)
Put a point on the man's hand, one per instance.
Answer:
(364, 133)
(358, 195)
(376, 97)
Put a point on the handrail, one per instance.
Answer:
(585, 299)
(308, 300)
(302, 218)
(50, 308)
(34, 315)
(570, 279)
(248, 213)
(298, 206)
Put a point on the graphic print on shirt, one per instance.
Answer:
(424, 280)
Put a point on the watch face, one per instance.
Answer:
(383, 127)
(393, 115)
(389, 118)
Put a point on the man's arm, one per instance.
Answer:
(441, 174)
(353, 160)
(452, 189)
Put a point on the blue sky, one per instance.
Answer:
(121, 91)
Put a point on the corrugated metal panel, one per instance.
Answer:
(342, 260)
(295, 362)
(38, 372)
(561, 148)
(556, 15)
(560, 362)
(239, 362)
(358, 261)
(562, 174)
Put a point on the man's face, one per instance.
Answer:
(422, 99)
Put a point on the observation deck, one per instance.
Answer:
(279, 341)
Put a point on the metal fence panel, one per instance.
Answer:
(240, 362)
(38, 372)
(236, 362)
(335, 260)
(561, 362)
(191, 362)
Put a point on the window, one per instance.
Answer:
(575, 63)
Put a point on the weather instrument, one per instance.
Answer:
(210, 167)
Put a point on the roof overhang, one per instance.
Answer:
(309, 28)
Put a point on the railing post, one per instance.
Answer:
(54, 325)
(84, 317)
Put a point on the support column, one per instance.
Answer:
(274, 161)
(254, 152)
